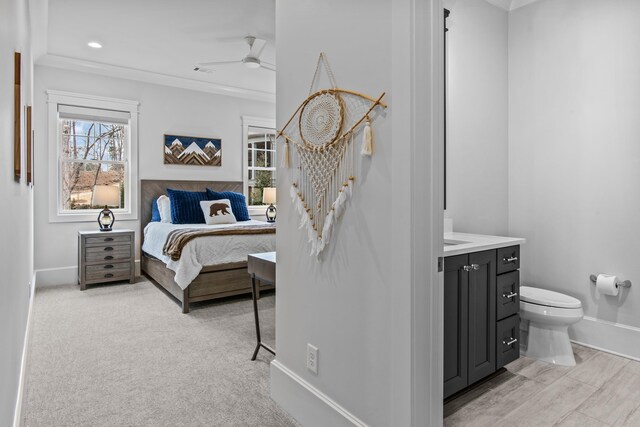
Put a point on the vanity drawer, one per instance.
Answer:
(508, 294)
(108, 240)
(508, 259)
(107, 253)
(508, 340)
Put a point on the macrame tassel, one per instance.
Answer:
(326, 230)
(286, 161)
(367, 139)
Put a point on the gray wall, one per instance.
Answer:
(574, 148)
(16, 231)
(354, 303)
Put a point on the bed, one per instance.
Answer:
(215, 280)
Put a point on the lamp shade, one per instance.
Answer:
(269, 195)
(105, 195)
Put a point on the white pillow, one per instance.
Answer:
(164, 206)
(217, 212)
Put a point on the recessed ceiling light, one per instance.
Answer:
(94, 45)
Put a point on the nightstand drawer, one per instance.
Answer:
(108, 253)
(108, 271)
(108, 240)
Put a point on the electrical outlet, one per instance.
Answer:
(312, 358)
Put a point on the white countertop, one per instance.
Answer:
(476, 243)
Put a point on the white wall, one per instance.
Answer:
(16, 231)
(162, 110)
(574, 148)
(355, 303)
(477, 117)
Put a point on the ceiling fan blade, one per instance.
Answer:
(267, 66)
(257, 48)
(204, 70)
(218, 63)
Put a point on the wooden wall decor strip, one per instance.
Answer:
(17, 110)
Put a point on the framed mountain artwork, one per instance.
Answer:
(190, 150)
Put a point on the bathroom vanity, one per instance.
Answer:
(481, 302)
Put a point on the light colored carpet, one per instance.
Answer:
(125, 355)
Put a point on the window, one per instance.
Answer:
(259, 156)
(261, 167)
(95, 146)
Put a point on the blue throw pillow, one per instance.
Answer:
(185, 206)
(155, 212)
(238, 203)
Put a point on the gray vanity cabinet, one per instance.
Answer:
(481, 323)
(456, 323)
(482, 315)
(469, 319)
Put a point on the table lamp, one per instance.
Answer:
(269, 196)
(107, 195)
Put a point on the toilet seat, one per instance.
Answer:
(548, 298)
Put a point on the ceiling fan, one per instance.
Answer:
(252, 60)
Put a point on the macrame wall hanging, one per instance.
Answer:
(320, 149)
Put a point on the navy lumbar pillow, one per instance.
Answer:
(238, 203)
(185, 206)
(155, 212)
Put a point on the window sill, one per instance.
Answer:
(91, 217)
(257, 210)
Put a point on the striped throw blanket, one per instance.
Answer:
(177, 239)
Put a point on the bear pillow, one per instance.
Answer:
(217, 212)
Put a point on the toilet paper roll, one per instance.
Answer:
(606, 284)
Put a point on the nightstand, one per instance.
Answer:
(105, 256)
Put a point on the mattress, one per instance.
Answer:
(206, 250)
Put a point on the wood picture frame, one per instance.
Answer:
(29, 126)
(17, 110)
(192, 150)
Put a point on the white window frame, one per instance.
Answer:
(56, 212)
(247, 122)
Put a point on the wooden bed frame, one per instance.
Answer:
(215, 281)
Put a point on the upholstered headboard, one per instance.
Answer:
(152, 188)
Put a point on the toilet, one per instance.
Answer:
(549, 315)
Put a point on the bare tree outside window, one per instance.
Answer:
(92, 153)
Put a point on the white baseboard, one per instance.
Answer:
(622, 340)
(305, 403)
(17, 414)
(64, 275)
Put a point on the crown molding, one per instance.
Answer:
(502, 4)
(510, 5)
(517, 4)
(74, 64)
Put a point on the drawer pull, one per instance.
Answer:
(108, 257)
(475, 266)
(108, 275)
(510, 295)
(510, 259)
(467, 268)
(108, 248)
(108, 239)
(108, 266)
(511, 341)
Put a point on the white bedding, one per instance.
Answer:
(206, 250)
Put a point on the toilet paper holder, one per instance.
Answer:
(622, 284)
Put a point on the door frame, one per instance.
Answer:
(418, 117)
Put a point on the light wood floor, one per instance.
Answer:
(601, 390)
